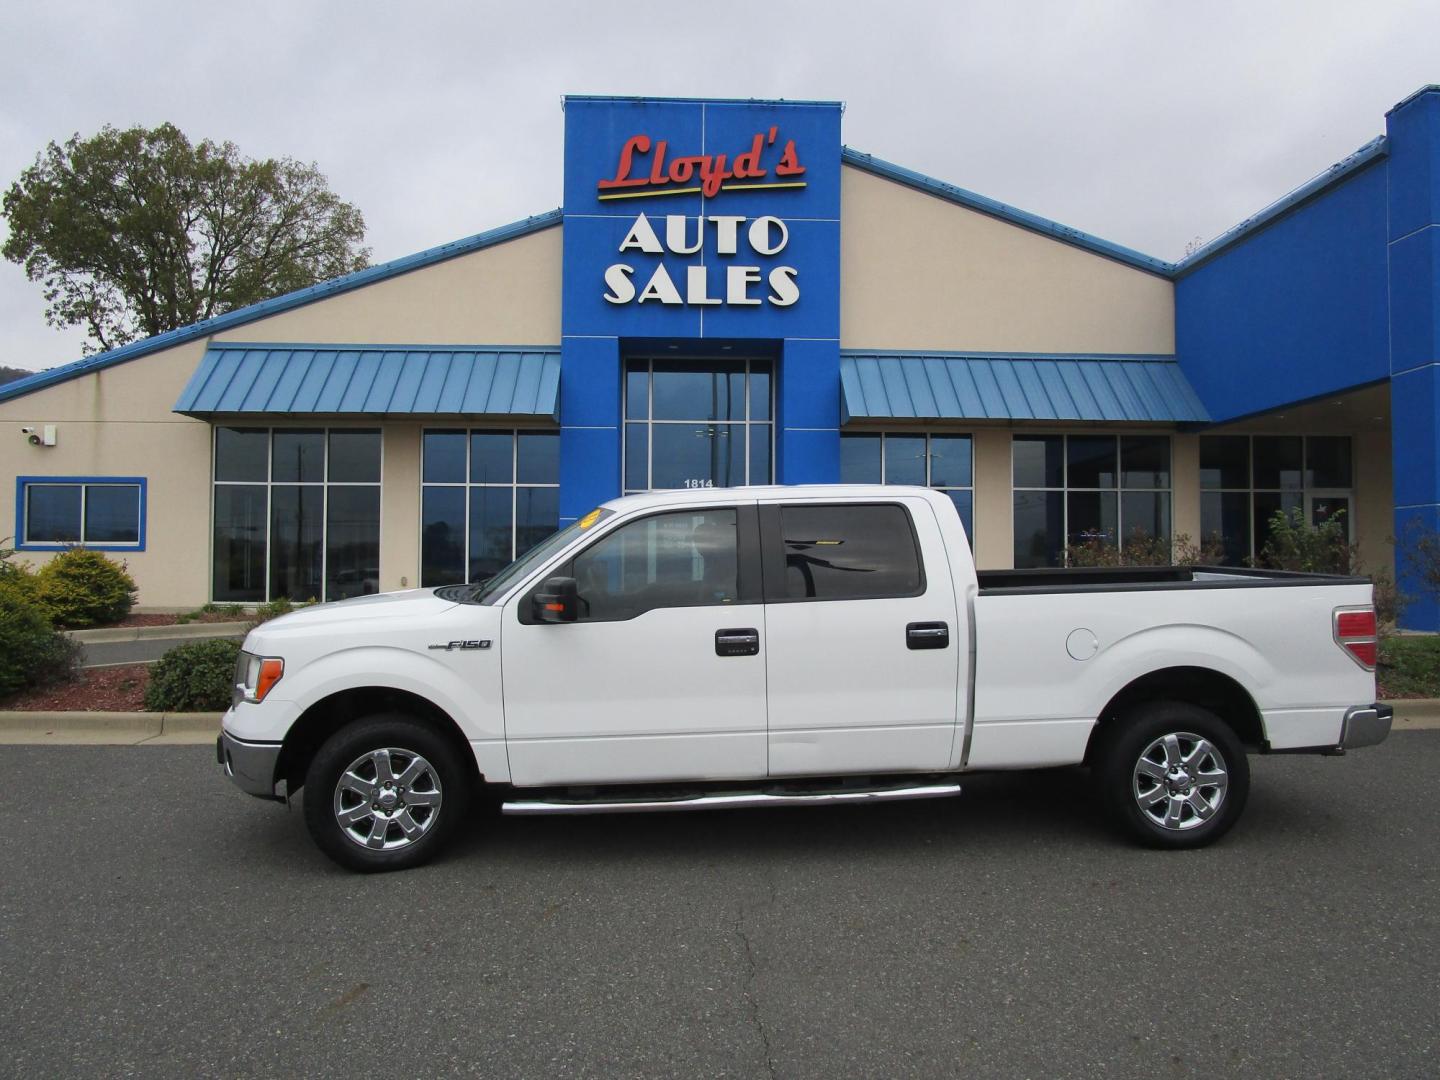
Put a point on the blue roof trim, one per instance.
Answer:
(702, 100)
(1373, 151)
(1026, 220)
(1428, 88)
(1040, 387)
(277, 304)
(250, 378)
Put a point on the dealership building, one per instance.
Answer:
(731, 296)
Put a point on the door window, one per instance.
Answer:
(681, 559)
(697, 424)
(849, 552)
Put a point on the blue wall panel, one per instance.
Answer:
(1293, 311)
(595, 330)
(1414, 301)
(1413, 128)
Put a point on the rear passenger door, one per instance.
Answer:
(863, 654)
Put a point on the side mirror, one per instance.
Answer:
(556, 601)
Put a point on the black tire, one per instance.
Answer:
(1167, 809)
(409, 833)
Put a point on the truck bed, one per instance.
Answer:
(1135, 578)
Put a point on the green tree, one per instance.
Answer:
(135, 232)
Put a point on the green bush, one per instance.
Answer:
(16, 578)
(1143, 549)
(195, 677)
(80, 588)
(32, 653)
(1295, 544)
(281, 605)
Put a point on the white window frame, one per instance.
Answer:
(650, 422)
(1119, 489)
(1307, 494)
(270, 483)
(514, 485)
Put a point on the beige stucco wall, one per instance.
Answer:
(994, 540)
(1374, 501)
(508, 294)
(117, 422)
(1185, 487)
(920, 272)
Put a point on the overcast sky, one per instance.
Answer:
(1147, 123)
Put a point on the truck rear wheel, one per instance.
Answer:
(1173, 775)
(385, 793)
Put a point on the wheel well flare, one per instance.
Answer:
(330, 714)
(1197, 686)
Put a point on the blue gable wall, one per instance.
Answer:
(802, 335)
(1296, 309)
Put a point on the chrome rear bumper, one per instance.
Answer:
(1365, 725)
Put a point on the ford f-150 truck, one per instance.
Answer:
(790, 645)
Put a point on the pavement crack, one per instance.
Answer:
(747, 990)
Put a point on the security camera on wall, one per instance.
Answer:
(42, 436)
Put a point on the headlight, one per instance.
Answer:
(255, 676)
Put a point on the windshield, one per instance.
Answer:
(487, 592)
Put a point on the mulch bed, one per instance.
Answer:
(114, 689)
(174, 619)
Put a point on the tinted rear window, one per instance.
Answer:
(849, 553)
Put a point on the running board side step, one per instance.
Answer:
(738, 800)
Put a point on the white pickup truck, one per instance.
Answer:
(790, 645)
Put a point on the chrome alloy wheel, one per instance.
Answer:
(1179, 781)
(387, 799)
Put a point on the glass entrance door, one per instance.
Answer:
(697, 424)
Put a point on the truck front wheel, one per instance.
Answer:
(384, 793)
(1173, 775)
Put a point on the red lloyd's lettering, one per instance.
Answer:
(711, 169)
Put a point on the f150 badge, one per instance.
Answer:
(472, 644)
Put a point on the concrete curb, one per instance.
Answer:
(1416, 714)
(178, 632)
(109, 728)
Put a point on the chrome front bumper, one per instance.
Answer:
(1365, 725)
(250, 765)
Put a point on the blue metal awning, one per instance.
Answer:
(373, 380)
(954, 386)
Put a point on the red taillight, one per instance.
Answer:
(1355, 633)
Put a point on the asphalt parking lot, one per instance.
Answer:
(155, 921)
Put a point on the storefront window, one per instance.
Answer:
(487, 497)
(1245, 480)
(1088, 490)
(296, 513)
(942, 461)
(692, 424)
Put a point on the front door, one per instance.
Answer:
(662, 675)
(864, 648)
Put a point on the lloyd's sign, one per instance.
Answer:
(688, 219)
(741, 258)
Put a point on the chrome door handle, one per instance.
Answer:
(927, 635)
(742, 642)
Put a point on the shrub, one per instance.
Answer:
(195, 677)
(1143, 549)
(1295, 544)
(16, 579)
(228, 611)
(81, 588)
(32, 653)
(281, 605)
